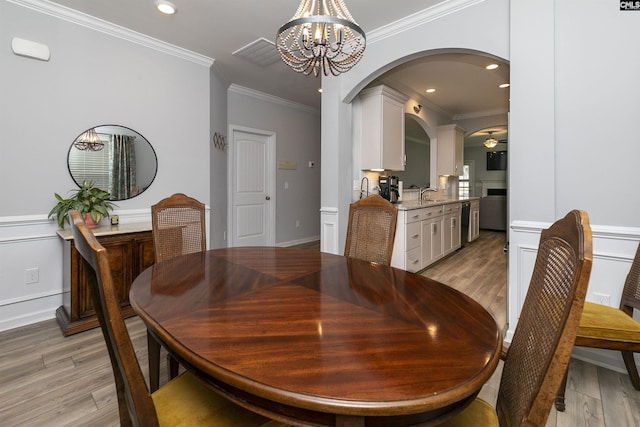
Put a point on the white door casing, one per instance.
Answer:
(251, 175)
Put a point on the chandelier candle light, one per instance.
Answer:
(321, 35)
(90, 141)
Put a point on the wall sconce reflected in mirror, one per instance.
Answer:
(417, 108)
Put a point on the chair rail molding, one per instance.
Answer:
(613, 252)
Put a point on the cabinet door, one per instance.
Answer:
(382, 128)
(119, 253)
(474, 224)
(450, 150)
(145, 254)
(431, 240)
(436, 239)
(455, 232)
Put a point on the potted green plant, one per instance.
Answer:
(92, 203)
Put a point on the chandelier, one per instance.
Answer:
(89, 141)
(322, 35)
(491, 141)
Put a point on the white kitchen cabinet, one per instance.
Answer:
(450, 150)
(474, 220)
(451, 228)
(432, 247)
(382, 128)
(425, 235)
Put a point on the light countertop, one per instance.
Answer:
(426, 203)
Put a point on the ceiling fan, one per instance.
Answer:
(491, 142)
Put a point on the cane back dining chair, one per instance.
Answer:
(536, 360)
(613, 328)
(178, 225)
(371, 230)
(178, 228)
(183, 401)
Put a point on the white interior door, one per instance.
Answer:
(252, 184)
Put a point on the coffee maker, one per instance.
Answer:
(389, 187)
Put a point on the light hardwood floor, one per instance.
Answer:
(49, 380)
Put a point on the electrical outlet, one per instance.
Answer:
(603, 299)
(356, 185)
(31, 275)
(297, 223)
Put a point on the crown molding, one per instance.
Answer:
(420, 18)
(70, 15)
(242, 90)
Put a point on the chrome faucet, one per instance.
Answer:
(425, 190)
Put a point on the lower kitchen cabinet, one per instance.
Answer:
(474, 220)
(451, 227)
(130, 251)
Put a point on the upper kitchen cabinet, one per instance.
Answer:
(450, 150)
(382, 128)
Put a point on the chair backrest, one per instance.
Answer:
(631, 291)
(541, 347)
(134, 402)
(178, 227)
(371, 230)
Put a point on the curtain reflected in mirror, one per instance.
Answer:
(124, 167)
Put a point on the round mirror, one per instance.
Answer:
(117, 159)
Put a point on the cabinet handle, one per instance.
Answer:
(415, 236)
(435, 228)
(453, 223)
(415, 217)
(415, 261)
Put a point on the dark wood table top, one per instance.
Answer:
(320, 339)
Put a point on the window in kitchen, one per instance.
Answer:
(463, 182)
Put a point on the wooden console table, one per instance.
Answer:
(130, 249)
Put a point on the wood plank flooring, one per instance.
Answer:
(49, 380)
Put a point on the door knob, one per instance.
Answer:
(267, 198)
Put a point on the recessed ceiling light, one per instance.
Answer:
(430, 90)
(491, 66)
(165, 7)
(503, 85)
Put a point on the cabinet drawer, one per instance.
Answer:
(413, 216)
(412, 236)
(431, 212)
(412, 260)
(452, 208)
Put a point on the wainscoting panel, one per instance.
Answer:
(30, 242)
(329, 230)
(613, 252)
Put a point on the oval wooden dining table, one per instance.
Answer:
(315, 339)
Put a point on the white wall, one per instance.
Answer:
(91, 79)
(297, 129)
(573, 95)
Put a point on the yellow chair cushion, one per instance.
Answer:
(604, 322)
(187, 401)
(479, 413)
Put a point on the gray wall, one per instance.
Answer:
(91, 79)
(297, 129)
(218, 173)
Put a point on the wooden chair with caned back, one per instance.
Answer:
(178, 228)
(537, 358)
(613, 328)
(178, 224)
(183, 401)
(371, 230)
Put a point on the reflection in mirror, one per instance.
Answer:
(124, 166)
(417, 147)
